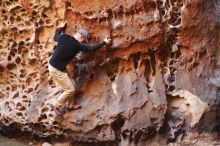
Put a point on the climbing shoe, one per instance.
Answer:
(74, 107)
(57, 110)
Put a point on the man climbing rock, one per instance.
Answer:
(67, 48)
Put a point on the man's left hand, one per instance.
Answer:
(63, 24)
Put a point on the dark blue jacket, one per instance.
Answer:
(67, 48)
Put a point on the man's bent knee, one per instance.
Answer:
(70, 92)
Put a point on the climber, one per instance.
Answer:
(67, 48)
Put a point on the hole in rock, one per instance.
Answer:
(55, 123)
(26, 101)
(28, 81)
(18, 60)
(19, 114)
(178, 22)
(45, 109)
(18, 18)
(163, 12)
(10, 66)
(56, 127)
(178, 53)
(13, 87)
(88, 13)
(47, 123)
(171, 62)
(36, 24)
(22, 75)
(1, 69)
(149, 133)
(12, 53)
(14, 44)
(112, 69)
(6, 121)
(5, 17)
(34, 13)
(116, 126)
(125, 134)
(147, 71)
(28, 23)
(24, 96)
(9, 58)
(32, 61)
(110, 14)
(15, 31)
(136, 58)
(149, 88)
(7, 104)
(21, 43)
(50, 82)
(19, 50)
(30, 90)
(3, 11)
(171, 88)
(172, 55)
(171, 39)
(172, 70)
(12, 19)
(16, 95)
(175, 30)
(171, 79)
(41, 22)
(7, 3)
(112, 78)
(19, 104)
(37, 42)
(22, 108)
(42, 117)
(48, 21)
(44, 15)
(35, 88)
(120, 11)
(137, 136)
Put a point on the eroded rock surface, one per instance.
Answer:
(163, 62)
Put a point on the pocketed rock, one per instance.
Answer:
(158, 80)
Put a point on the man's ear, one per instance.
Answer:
(82, 38)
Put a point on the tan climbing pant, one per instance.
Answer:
(63, 79)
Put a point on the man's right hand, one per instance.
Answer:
(107, 40)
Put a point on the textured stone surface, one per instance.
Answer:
(192, 106)
(163, 61)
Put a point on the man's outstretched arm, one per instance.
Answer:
(92, 47)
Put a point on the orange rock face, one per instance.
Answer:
(162, 65)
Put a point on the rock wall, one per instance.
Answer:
(159, 76)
